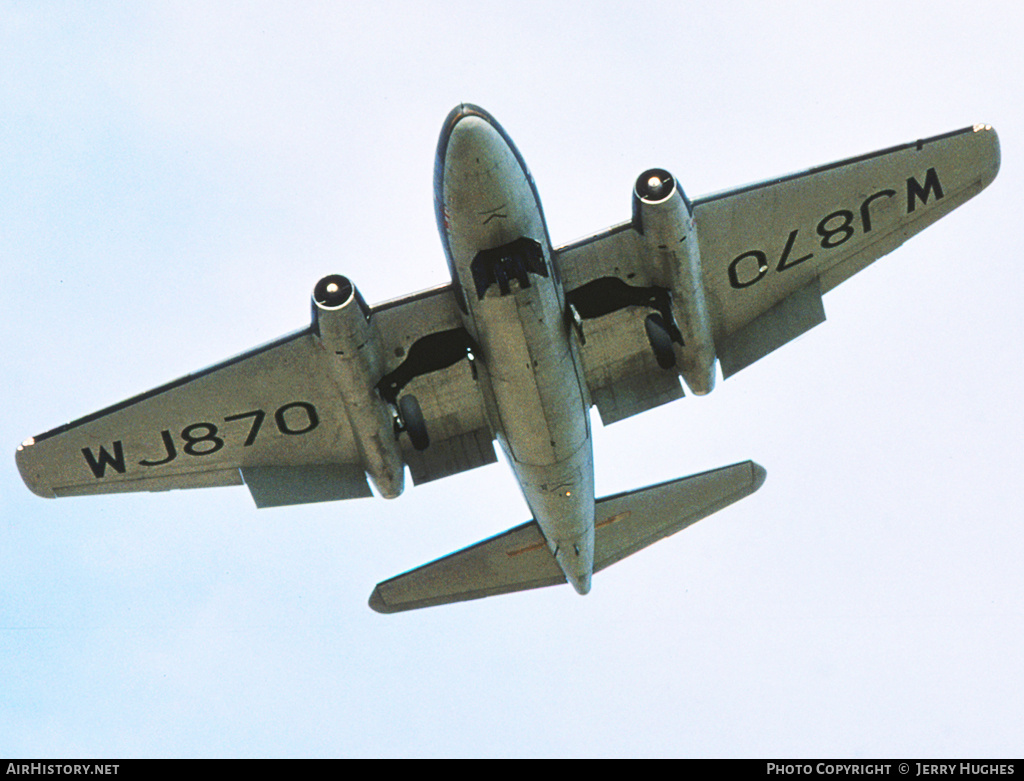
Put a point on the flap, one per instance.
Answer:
(451, 456)
(782, 323)
(278, 486)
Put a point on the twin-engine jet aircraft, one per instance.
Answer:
(518, 347)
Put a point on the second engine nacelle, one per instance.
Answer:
(661, 211)
(343, 325)
(341, 317)
(663, 216)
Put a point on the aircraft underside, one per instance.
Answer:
(520, 345)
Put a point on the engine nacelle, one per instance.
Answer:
(342, 323)
(663, 217)
(340, 315)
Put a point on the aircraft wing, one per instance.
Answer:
(770, 250)
(272, 418)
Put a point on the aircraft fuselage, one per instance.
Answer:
(499, 253)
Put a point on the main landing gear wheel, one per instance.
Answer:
(661, 342)
(413, 423)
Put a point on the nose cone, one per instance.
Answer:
(464, 119)
(472, 143)
(484, 195)
(469, 135)
(471, 149)
(475, 147)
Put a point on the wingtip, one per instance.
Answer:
(992, 137)
(759, 475)
(377, 602)
(22, 459)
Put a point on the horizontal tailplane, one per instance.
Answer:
(519, 559)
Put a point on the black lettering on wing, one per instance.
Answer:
(784, 261)
(296, 426)
(843, 230)
(915, 190)
(742, 274)
(865, 207)
(257, 416)
(204, 438)
(98, 464)
(171, 452)
(835, 229)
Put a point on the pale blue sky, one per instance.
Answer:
(175, 177)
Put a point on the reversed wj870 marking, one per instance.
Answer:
(834, 230)
(204, 439)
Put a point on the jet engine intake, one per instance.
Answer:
(340, 315)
